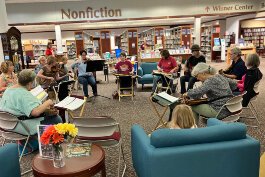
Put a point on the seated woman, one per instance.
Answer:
(8, 78)
(252, 76)
(18, 101)
(217, 88)
(63, 69)
(49, 73)
(182, 118)
(166, 64)
(42, 63)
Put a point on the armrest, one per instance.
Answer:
(141, 149)
(140, 71)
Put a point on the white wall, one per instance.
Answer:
(232, 24)
(66, 35)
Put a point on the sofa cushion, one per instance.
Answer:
(147, 77)
(179, 137)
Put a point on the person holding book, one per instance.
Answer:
(8, 78)
(216, 87)
(49, 73)
(19, 101)
(182, 118)
(166, 64)
(85, 78)
(189, 65)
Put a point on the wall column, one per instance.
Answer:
(197, 30)
(58, 35)
(3, 26)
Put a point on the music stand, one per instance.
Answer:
(93, 66)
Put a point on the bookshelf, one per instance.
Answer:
(256, 36)
(229, 39)
(83, 41)
(71, 49)
(178, 37)
(35, 48)
(208, 33)
(129, 41)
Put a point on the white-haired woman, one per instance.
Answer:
(42, 63)
(18, 101)
(217, 88)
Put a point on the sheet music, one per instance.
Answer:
(65, 102)
(77, 103)
(168, 97)
(37, 90)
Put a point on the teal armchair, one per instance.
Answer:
(9, 161)
(219, 150)
(145, 71)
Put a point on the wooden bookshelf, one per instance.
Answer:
(71, 49)
(83, 41)
(129, 41)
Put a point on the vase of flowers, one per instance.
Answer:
(55, 135)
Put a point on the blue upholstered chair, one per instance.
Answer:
(9, 161)
(145, 71)
(215, 151)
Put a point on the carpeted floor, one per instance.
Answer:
(139, 111)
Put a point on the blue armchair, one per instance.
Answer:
(9, 161)
(145, 71)
(219, 150)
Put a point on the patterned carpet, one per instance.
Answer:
(139, 111)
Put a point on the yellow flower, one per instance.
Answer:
(66, 129)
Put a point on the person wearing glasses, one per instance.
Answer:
(216, 87)
(189, 65)
(238, 68)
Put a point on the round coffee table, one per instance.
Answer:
(75, 166)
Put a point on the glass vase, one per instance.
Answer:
(58, 156)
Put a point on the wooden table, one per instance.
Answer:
(75, 166)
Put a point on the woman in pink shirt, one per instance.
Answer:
(166, 64)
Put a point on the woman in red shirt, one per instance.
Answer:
(166, 64)
(49, 50)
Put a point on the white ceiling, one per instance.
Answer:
(33, 1)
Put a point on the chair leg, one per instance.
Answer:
(25, 145)
(4, 141)
(119, 162)
(142, 86)
(121, 153)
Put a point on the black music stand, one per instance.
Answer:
(93, 66)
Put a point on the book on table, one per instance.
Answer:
(70, 103)
(39, 93)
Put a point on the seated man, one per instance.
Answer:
(189, 65)
(237, 69)
(124, 67)
(85, 77)
(166, 64)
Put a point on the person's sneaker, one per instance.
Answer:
(89, 99)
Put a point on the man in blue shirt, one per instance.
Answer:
(85, 77)
(238, 67)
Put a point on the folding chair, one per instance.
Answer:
(125, 83)
(7, 124)
(234, 105)
(104, 131)
(252, 108)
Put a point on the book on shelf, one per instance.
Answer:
(70, 103)
(39, 93)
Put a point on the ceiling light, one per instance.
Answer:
(260, 19)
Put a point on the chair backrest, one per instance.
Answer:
(95, 127)
(7, 121)
(148, 67)
(235, 104)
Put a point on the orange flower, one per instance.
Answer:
(47, 134)
(57, 138)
